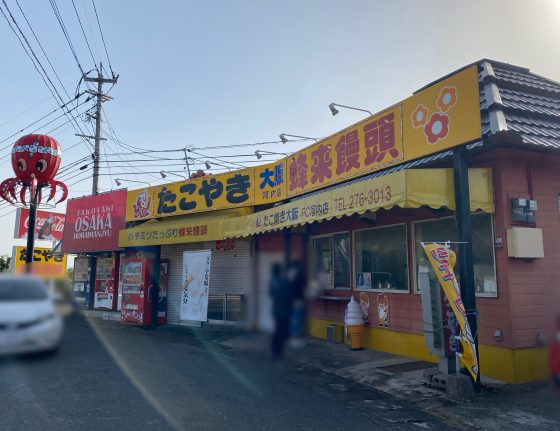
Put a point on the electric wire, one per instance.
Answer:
(83, 32)
(33, 57)
(103, 40)
(15, 117)
(42, 49)
(58, 16)
(36, 121)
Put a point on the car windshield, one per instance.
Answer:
(22, 290)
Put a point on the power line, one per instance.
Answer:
(103, 39)
(15, 117)
(83, 32)
(31, 54)
(218, 159)
(128, 162)
(54, 7)
(108, 168)
(41, 47)
(42, 118)
(85, 15)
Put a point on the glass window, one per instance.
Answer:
(381, 258)
(341, 259)
(331, 260)
(22, 289)
(442, 230)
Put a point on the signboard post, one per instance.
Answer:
(464, 246)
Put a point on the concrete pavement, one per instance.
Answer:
(499, 406)
(114, 376)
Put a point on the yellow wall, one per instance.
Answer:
(508, 365)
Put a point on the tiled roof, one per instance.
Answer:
(526, 103)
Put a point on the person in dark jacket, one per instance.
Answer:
(295, 276)
(282, 305)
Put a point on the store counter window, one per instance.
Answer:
(381, 259)
(331, 260)
(444, 229)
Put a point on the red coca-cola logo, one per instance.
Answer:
(57, 223)
(48, 225)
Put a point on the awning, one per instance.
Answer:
(181, 229)
(411, 188)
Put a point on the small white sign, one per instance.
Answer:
(195, 285)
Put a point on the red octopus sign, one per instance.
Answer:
(35, 161)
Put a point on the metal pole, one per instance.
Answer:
(95, 185)
(464, 245)
(187, 163)
(31, 231)
(92, 275)
(154, 297)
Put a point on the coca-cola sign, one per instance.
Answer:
(93, 222)
(49, 225)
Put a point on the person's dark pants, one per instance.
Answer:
(281, 334)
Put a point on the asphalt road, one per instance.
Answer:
(112, 376)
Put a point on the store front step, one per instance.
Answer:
(103, 314)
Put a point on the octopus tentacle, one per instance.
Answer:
(22, 194)
(5, 189)
(52, 185)
(12, 188)
(60, 184)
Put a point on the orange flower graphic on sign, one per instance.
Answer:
(419, 116)
(447, 98)
(437, 128)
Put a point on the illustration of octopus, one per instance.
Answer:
(35, 161)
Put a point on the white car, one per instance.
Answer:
(29, 320)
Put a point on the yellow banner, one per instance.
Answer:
(246, 187)
(410, 188)
(441, 116)
(270, 184)
(45, 263)
(207, 227)
(443, 260)
(364, 147)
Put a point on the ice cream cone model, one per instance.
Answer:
(354, 321)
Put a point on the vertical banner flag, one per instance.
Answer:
(195, 285)
(443, 260)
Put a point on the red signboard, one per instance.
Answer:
(93, 222)
(49, 225)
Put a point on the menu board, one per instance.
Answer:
(81, 266)
(105, 267)
(132, 276)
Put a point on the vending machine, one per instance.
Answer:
(105, 282)
(137, 270)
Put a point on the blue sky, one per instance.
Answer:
(206, 73)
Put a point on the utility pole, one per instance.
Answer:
(100, 80)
